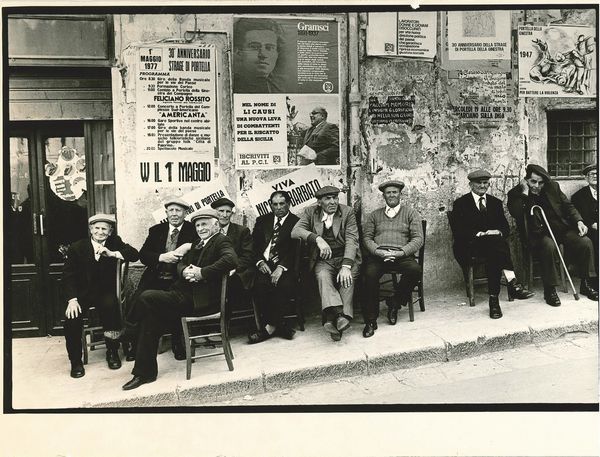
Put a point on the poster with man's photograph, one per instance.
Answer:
(557, 61)
(276, 61)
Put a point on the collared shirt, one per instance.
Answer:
(391, 212)
(594, 192)
(97, 247)
(476, 198)
(225, 229)
(328, 219)
(268, 249)
(172, 227)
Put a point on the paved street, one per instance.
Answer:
(564, 371)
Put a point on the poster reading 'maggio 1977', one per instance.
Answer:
(286, 92)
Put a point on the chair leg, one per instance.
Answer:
(411, 311)
(188, 349)
(84, 347)
(421, 296)
(226, 346)
(530, 272)
(563, 280)
(256, 316)
(300, 314)
(469, 285)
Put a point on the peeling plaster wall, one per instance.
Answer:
(134, 202)
(434, 155)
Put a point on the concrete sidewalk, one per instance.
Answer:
(448, 330)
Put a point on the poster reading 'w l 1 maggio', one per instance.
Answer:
(557, 61)
(286, 92)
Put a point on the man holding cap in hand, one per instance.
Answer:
(480, 229)
(89, 280)
(165, 245)
(331, 232)
(196, 291)
(392, 235)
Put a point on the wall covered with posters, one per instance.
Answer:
(187, 123)
(467, 109)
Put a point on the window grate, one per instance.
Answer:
(572, 141)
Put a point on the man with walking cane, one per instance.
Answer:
(555, 221)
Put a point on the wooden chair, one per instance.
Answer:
(473, 265)
(298, 313)
(530, 259)
(195, 335)
(418, 287)
(92, 330)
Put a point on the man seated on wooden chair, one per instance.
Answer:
(330, 230)
(481, 230)
(241, 280)
(586, 202)
(537, 188)
(89, 280)
(196, 291)
(274, 253)
(165, 245)
(392, 235)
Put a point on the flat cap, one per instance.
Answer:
(101, 217)
(222, 202)
(327, 190)
(588, 168)
(204, 213)
(533, 168)
(173, 200)
(393, 182)
(478, 174)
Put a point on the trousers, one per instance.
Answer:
(271, 301)
(107, 306)
(374, 269)
(495, 252)
(332, 294)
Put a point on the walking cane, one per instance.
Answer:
(575, 294)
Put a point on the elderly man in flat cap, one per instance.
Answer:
(586, 202)
(165, 245)
(537, 188)
(392, 235)
(241, 282)
(196, 291)
(480, 229)
(330, 230)
(89, 280)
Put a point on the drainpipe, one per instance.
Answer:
(354, 97)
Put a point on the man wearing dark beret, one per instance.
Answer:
(196, 291)
(165, 245)
(480, 229)
(586, 202)
(392, 235)
(89, 280)
(330, 230)
(537, 188)
(242, 281)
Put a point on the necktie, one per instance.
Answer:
(174, 234)
(273, 254)
(482, 207)
(171, 244)
(200, 245)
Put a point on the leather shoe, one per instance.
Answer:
(516, 290)
(342, 323)
(112, 359)
(392, 315)
(588, 290)
(77, 370)
(369, 329)
(551, 296)
(495, 310)
(330, 327)
(136, 382)
(285, 331)
(336, 336)
(259, 336)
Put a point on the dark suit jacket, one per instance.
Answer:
(325, 140)
(345, 229)
(519, 206)
(468, 221)
(83, 276)
(216, 258)
(586, 205)
(263, 232)
(241, 238)
(154, 246)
